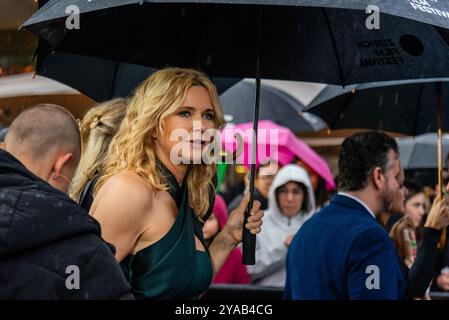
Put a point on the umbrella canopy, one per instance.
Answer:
(435, 12)
(407, 108)
(275, 105)
(223, 38)
(276, 143)
(419, 152)
(112, 78)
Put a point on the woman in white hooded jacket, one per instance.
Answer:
(291, 202)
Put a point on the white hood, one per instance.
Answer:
(292, 173)
(271, 250)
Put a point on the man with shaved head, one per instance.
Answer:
(50, 248)
(46, 140)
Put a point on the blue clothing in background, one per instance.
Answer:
(337, 253)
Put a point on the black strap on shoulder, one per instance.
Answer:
(86, 192)
(174, 189)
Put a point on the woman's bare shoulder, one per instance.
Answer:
(126, 191)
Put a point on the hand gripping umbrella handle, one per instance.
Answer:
(439, 115)
(249, 239)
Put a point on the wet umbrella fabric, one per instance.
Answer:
(221, 39)
(102, 79)
(404, 108)
(275, 105)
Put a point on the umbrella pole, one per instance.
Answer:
(249, 239)
(439, 113)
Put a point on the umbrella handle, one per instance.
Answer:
(249, 239)
(439, 113)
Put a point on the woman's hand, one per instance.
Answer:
(288, 240)
(233, 228)
(443, 282)
(438, 217)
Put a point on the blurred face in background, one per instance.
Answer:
(397, 205)
(290, 198)
(265, 177)
(414, 208)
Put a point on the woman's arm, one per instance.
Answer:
(231, 234)
(422, 271)
(120, 207)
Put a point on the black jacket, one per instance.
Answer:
(44, 237)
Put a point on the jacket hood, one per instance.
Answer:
(33, 213)
(291, 173)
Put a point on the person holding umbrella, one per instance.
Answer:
(151, 200)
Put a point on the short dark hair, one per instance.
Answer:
(413, 188)
(359, 155)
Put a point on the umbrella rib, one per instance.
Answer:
(343, 109)
(334, 45)
(114, 80)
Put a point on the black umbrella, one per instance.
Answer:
(221, 38)
(102, 79)
(408, 108)
(299, 40)
(111, 78)
(275, 105)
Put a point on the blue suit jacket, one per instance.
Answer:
(335, 254)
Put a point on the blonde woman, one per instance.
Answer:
(152, 208)
(98, 127)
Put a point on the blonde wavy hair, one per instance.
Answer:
(97, 128)
(132, 148)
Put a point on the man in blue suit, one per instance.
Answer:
(342, 252)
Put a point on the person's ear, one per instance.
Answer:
(378, 177)
(2, 145)
(60, 162)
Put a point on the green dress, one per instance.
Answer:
(172, 268)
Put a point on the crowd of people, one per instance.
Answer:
(97, 209)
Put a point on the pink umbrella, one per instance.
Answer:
(275, 143)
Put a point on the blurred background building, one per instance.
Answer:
(16, 47)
